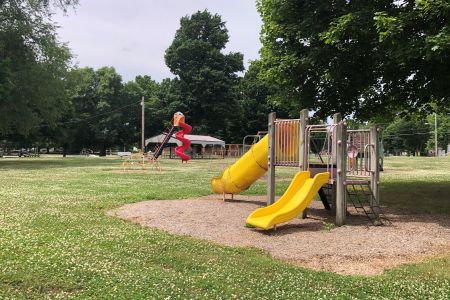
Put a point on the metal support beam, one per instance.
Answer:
(436, 149)
(271, 160)
(336, 119)
(142, 125)
(341, 163)
(375, 169)
(303, 159)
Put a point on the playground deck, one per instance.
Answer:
(355, 248)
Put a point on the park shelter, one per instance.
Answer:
(202, 146)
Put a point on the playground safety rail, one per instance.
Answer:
(287, 136)
(329, 142)
(360, 152)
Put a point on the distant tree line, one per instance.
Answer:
(415, 135)
(47, 102)
(370, 61)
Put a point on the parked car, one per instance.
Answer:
(20, 153)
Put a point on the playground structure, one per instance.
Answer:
(294, 143)
(232, 150)
(140, 160)
(244, 172)
(178, 121)
(237, 150)
(254, 138)
(202, 146)
(143, 160)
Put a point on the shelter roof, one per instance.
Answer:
(195, 140)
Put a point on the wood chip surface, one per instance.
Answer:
(356, 248)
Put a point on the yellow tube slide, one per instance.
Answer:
(240, 175)
(297, 197)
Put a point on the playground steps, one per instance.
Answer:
(360, 195)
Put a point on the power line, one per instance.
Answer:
(91, 117)
(410, 134)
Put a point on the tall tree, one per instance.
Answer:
(155, 111)
(107, 124)
(98, 107)
(207, 77)
(32, 65)
(365, 58)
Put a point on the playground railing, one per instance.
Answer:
(359, 153)
(287, 141)
(321, 141)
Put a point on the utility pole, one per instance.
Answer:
(435, 136)
(142, 125)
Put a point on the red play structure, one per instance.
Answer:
(178, 120)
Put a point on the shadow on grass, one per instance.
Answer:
(417, 197)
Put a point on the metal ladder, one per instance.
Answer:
(168, 132)
(360, 195)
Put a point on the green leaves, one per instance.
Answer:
(206, 77)
(440, 42)
(33, 65)
(338, 29)
(367, 59)
(387, 26)
(408, 135)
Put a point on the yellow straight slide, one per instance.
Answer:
(297, 197)
(240, 175)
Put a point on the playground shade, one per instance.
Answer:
(239, 176)
(297, 197)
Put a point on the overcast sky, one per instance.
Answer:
(133, 35)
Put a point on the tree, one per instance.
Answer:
(407, 134)
(367, 58)
(155, 111)
(443, 129)
(130, 129)
(207, 77)
(98, 107)
(33, 64)
(82, 93)
(107, 125)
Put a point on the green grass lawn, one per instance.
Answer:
(56, 241)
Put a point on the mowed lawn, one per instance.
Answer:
(57, 242)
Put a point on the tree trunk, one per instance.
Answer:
(103, 150)
(65, 150)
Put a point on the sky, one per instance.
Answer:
(133, 35)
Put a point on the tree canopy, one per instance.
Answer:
(33, 64)
(361, 58)
(207, 77)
